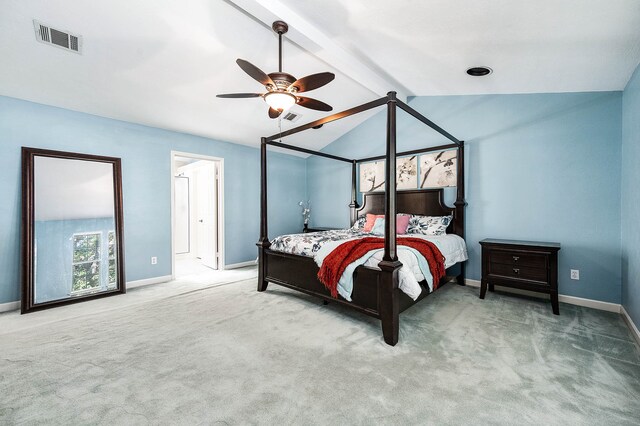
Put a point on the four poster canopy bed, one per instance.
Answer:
(375, 289)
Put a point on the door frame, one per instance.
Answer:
(220, 236)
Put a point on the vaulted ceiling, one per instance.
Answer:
(161, 63)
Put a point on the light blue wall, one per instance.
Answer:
(540, 167)
(631, 198)
(543, 167)
(145, 153)
(54, 245)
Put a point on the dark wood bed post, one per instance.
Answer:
(388, 285)
(354, 193)
(263, 243)
(460, 205)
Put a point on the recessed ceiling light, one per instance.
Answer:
(479, 71)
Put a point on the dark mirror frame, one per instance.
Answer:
(28, 222)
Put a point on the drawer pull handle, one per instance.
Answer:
(516, 270)
(515, 258)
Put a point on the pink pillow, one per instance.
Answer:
(402, 222)
(371, 220)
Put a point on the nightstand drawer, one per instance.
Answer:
(517, 259)
(521, 272)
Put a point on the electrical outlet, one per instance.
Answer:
(575, 274)
(154, 261)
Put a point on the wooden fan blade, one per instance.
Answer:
(255, 72)
(313, 104)
(313, 81)
(274, 113)
(239, 95)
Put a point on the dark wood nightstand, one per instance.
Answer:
(315, 229)
(528, 265)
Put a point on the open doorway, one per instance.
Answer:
(197, 214)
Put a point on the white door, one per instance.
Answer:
(207, 210)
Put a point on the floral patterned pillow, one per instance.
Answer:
(359, 224)
(428, 225)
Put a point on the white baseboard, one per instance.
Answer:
(630, 324)
(240, 265)
(12, 306)
(9, 306)
(572, 300)
(590, 303)
(148, 281)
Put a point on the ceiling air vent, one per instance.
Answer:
(62, 39)
(292, 116)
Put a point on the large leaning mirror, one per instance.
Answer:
(72, 245)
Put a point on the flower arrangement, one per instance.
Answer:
(306, 210)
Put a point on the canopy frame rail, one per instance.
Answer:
(391, 102)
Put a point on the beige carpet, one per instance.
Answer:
(230, 355)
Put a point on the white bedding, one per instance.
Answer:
(452, 247)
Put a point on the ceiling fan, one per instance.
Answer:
(282, 88)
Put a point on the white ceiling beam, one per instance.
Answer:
(308, 36)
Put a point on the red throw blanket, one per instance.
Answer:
(346, 253)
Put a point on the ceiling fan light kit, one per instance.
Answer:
(282, 88)
(279, 100)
